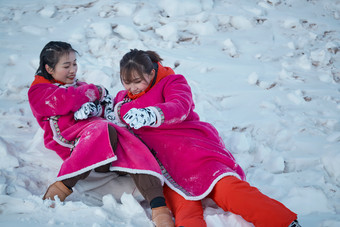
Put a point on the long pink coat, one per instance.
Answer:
(84, 145)
(191, 152)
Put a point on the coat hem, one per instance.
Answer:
(88, 168)
(138, 171)
(204, 194)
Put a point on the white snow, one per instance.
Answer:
(265, 73)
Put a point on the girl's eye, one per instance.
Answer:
(136, 81)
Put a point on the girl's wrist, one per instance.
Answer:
(159, 115)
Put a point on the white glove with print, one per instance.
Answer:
(109, 114)
(138, 118)
(89, 109)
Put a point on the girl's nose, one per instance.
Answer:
(132, 88)
(73, 69)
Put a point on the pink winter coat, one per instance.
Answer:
(84, 145)
(191, 152)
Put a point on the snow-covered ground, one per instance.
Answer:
(266, 73)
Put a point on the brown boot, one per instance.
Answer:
(162, 217)
(59, 189)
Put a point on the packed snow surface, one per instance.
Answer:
(265, 73)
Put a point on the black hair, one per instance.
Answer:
(137, 61)
(50, 56)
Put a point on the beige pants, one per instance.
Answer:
(149, 186)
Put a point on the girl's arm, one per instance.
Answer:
(51, 100)
(173, 102)
(178, 101)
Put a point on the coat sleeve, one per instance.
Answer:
(174, 100)
(178, 101)
(51, 100)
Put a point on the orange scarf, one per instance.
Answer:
(42, 80)
(161, 72)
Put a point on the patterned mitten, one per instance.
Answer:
(87, 110)
(138, 118)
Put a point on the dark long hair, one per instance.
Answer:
(137, 61)
(50, 56)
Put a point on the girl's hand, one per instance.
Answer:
(87, 110)
(109, 115)
(138, 118)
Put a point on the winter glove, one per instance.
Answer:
(107, 98)
(138, 118)
(87, 110)
(108, 105)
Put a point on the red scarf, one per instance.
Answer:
(161, 72)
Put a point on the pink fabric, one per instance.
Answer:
(85, 144)
(192, 153)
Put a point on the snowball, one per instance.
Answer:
(96, 45)
(283, 74)
(47, 11)
(102, 29)
(179, 8)
(274, 163)
(230, 48)
(304, 63)
(291, 45)
(290, 23)
(168, 32)
(142, 17)
(253, 78)
(320, 56)
(126, 32)
(240, 143)
(124, 8)
(240, 22)
(295, 98)
(262, 153)
(206, 28)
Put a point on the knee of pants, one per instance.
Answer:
(149, 186)
(187, 213)
(113, 136)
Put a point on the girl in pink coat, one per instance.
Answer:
(88, 144)
(158, 106)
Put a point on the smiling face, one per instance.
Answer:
(66, 69)
(138, 83)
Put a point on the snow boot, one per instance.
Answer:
(295, 224)
(59, 189)
(162, 217)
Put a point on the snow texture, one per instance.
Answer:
(265, 73)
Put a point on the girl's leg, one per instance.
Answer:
(151, 189)
(64, 188)
(113, 137)
(187, 213)
(238, 197)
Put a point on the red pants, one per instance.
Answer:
(236, 196)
